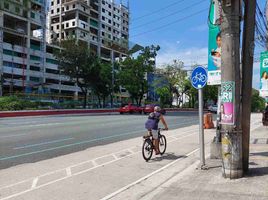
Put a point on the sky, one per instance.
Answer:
(179, 27)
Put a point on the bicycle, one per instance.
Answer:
(199, 77)
(148, 146)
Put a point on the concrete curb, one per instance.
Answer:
(51, 112)
(24, 113)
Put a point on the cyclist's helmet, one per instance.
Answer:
(157, 108)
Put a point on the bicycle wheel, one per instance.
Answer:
(147, 149)
(162, 144)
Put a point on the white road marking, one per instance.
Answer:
(75, 174)
(43, 143)
(109, 162)
(115, 157)
(146, 177)
(68, 171)
(34, 183)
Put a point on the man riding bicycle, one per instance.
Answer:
(152, 126)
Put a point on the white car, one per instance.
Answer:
(213, 108)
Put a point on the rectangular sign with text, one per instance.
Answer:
(227, 103)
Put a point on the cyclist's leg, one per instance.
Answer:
(156, 141)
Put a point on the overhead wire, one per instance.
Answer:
(174, 22)
(156, 11)
(171, 14)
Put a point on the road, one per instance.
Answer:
(32, 139)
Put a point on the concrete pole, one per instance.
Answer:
(247, 72)
(231, 131)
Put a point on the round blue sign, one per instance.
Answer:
(199, 77)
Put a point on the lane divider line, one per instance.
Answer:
(43, 143)
(147, 176)
(93, 161)
(75, 174)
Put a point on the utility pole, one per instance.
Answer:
(230, 90)
(247, 71)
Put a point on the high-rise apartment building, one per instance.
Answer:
(27, 63)
(102, 24)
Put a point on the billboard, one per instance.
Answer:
(214, 44)
(264, 74)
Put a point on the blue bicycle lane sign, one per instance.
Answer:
(199, 77)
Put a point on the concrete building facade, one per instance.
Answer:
(27, 64)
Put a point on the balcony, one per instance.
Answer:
(36, 17)
(41, 2)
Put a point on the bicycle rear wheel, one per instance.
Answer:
(162, 144)
(147, 149)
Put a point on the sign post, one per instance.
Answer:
(199, 80)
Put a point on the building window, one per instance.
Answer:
(109, 28)
(52, 3)
(67, 25)
(51, 28)
(102, 33)
(52, 11)
(62, 9)
(58, 10)
(58, 1)
(109, 21)
(109, 6)
(110, 14)
(58, 27)
(73, 5)
(103, 26)
(67, 7)
(103, 18)
(103, 10)
(6, 5)
(73, 23)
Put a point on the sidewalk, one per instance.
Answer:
(193, 183)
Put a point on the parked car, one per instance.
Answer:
(150, 108)
(130, 108)
(213, 108)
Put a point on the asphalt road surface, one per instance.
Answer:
(31, 139)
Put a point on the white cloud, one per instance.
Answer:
(189, 56)
(195, 55)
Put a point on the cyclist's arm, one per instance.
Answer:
(163, 121)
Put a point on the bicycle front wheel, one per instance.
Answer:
(162, 144)
(147, 149)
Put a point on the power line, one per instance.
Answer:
(176, 21)
(164, 17)
(156, 11)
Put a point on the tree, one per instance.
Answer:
(164, 94)
(210, 93)
(173, 76)
(257, 102)
(76, 61)
(191, 92)
(132, 72)
(103, 87)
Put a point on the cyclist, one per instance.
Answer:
(152, 126)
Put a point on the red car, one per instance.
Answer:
(150, 108)
(130, 108)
